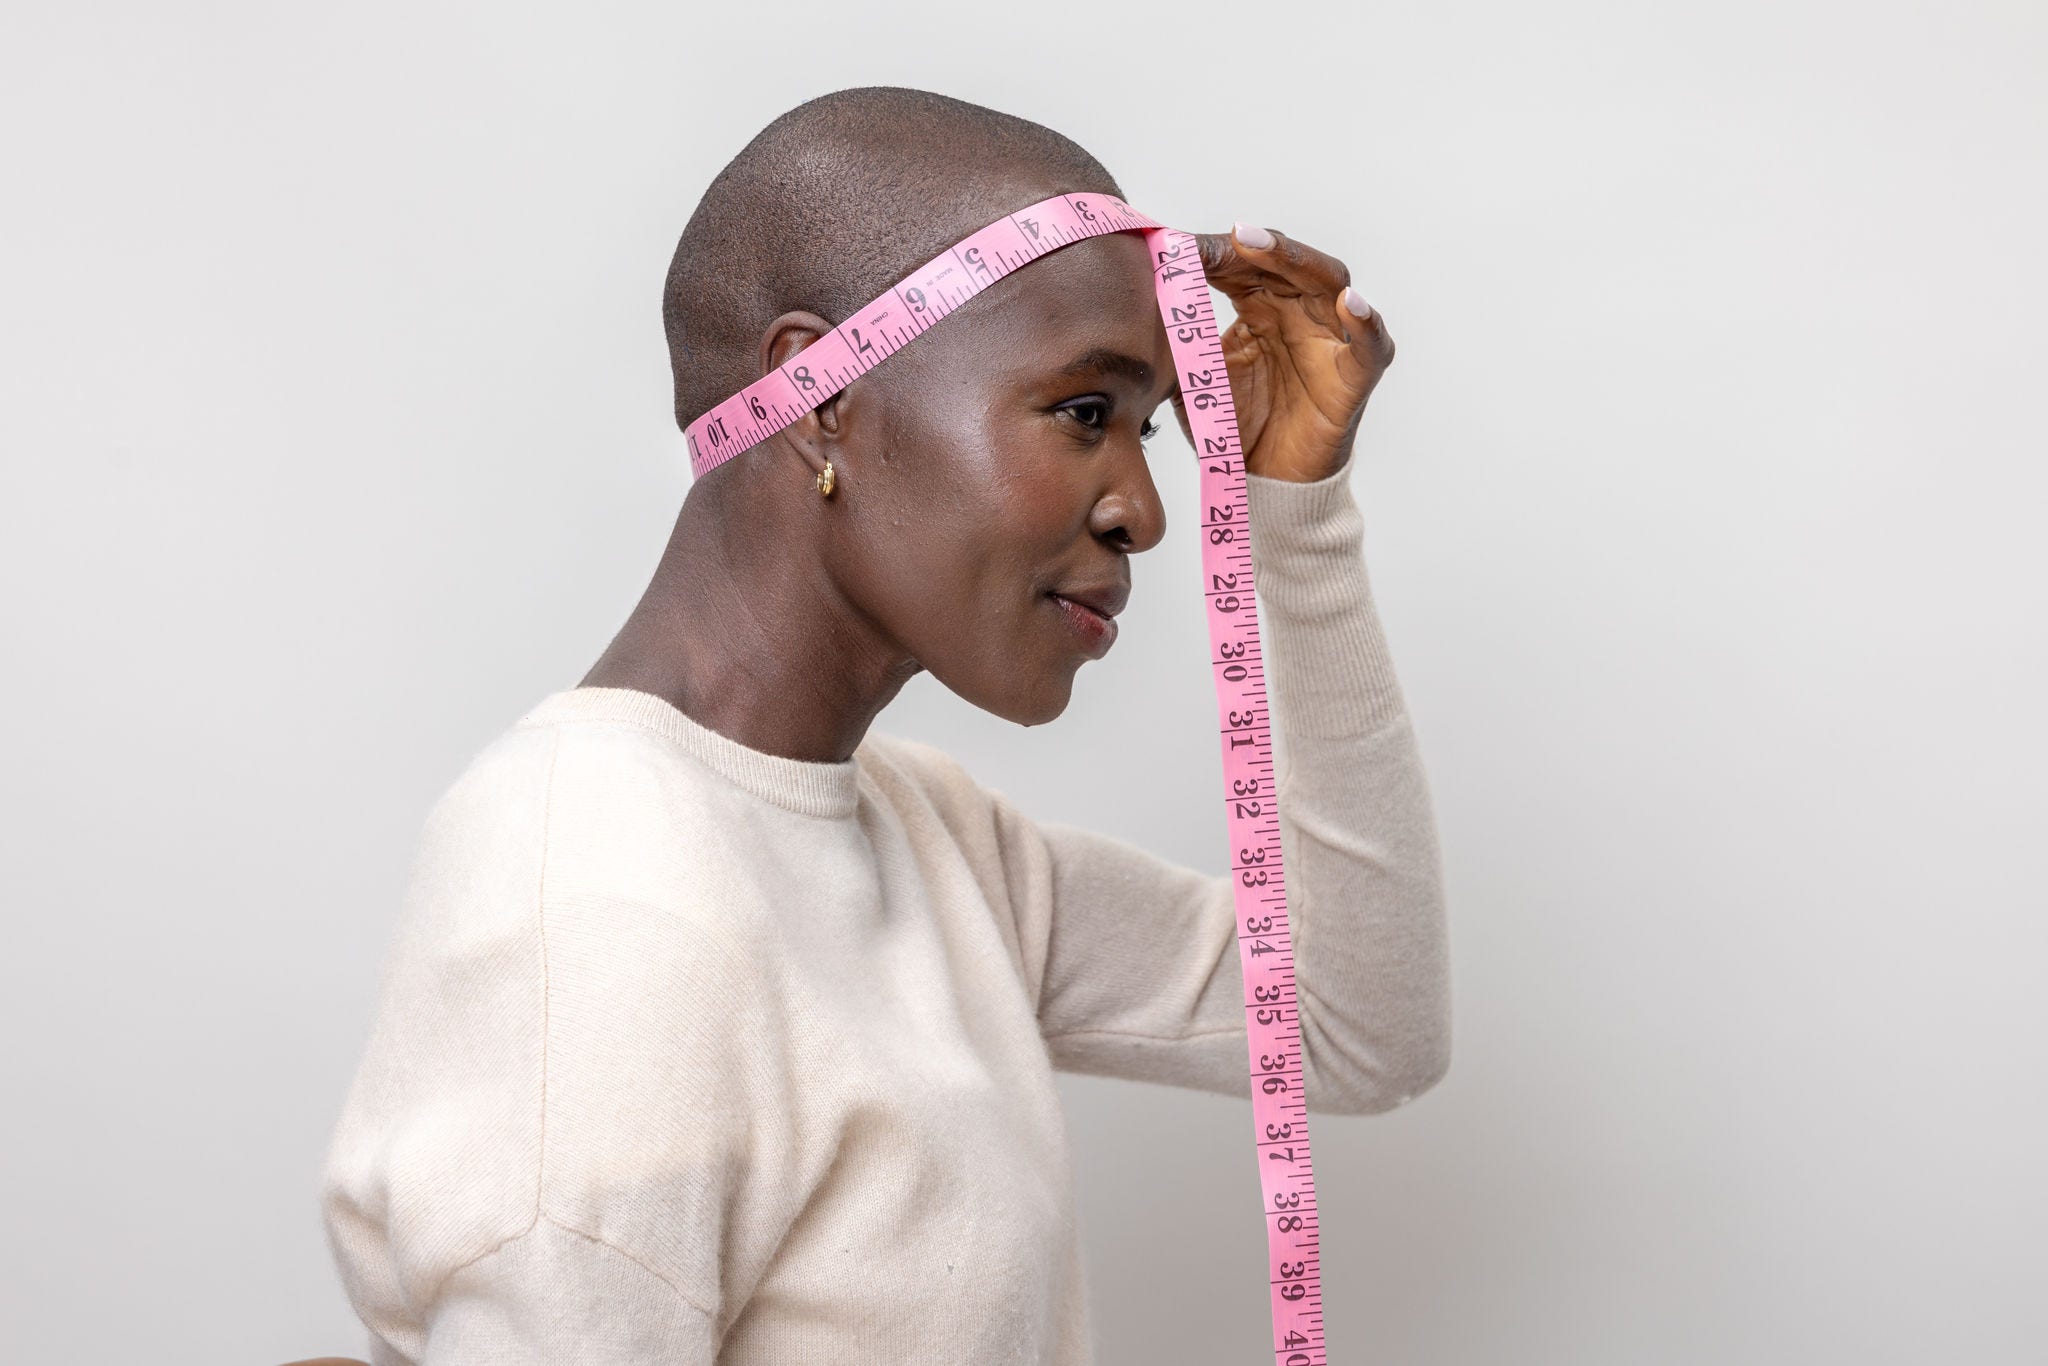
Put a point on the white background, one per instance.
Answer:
(1703, 509)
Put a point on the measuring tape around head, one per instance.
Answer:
(1264, 943)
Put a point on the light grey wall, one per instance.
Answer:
(1703, 507)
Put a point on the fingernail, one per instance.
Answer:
(1355, 304)
(1257, 238)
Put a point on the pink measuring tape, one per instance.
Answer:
(1265, 945)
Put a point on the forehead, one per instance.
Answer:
(1097, 293)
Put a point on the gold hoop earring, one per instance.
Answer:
(826, 479)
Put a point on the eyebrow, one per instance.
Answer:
(1105, 360)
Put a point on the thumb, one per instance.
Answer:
(1227, 268)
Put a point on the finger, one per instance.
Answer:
(1251, 257)
(1309, 270)
(1229, 268)
(1295, 262)
(1370, 349)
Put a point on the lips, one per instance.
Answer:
(1086, 607)
(1095, 631)
(1105, 601)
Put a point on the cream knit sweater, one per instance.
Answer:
(689, 1053)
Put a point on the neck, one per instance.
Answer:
(744, 630)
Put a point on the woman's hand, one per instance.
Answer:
(1302, 361)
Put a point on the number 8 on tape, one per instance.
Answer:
(1264, 943)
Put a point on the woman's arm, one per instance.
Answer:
(543, 1154)
(1140, 975)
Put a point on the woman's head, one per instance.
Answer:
(987, 466)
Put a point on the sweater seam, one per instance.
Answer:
(1149, 1038)
(467, 1262)
(540, 913)
(540, 916)
(546, 1041)
(685, 1296)
(610, 1246)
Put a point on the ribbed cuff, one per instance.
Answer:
(1327, 660)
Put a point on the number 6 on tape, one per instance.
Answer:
(1265, 945)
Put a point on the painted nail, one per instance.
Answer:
(1257, 238)
(1355, 304)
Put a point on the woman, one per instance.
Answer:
(720, 1026)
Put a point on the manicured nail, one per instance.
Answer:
(1355, 304)
(1257, 238)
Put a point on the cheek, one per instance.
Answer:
(988, 531)
(927, 518)
(977, 482)
(978, 514)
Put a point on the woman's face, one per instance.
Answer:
(996, 462)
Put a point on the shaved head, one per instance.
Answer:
(834, 202)
(984, 485)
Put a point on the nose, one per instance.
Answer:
(1129, 514)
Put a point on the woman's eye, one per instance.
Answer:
(1091, 413)
(1094, 415)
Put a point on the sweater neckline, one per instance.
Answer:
(807, 786)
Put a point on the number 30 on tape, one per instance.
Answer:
(1265, 945)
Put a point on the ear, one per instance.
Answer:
(814, 434)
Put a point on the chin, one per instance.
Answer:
(1040, 718)
(1029, 694)
(1047, 703)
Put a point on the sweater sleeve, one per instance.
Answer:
(541, 1156)
(556, 1297)
(1140, 976)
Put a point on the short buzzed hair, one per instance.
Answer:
(831, 204)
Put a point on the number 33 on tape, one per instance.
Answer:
(1265, 946)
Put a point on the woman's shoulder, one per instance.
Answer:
(557, 819)
(578, 868)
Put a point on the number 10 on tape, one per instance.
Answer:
(1237, 663)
